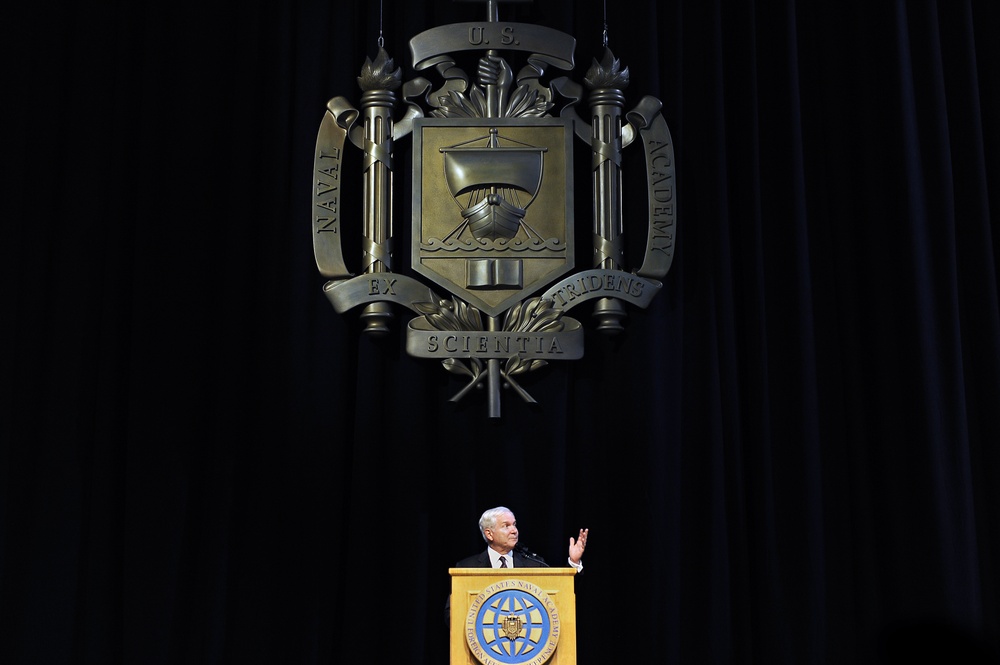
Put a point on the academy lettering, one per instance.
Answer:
(663, 158)
(662, 191)
(662, 225)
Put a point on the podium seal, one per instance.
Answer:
(512, 622)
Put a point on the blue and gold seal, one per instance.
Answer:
(512, 622)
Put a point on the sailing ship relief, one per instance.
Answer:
(493, 204)
(495, 178)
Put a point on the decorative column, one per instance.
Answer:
(378, 81)
(605, 80)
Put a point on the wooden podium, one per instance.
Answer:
(540, 596)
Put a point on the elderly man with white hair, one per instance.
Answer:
(499, 529)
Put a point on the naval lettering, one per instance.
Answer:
(328, 191)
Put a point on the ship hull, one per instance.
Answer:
(494, 217)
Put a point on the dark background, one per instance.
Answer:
(792, 456)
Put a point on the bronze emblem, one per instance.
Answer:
(512, 625)
(492, 200)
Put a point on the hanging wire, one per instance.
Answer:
(604, 35)
(381, 39)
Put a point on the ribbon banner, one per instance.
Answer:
(591, 284)
(424, 341)
(327, 165)
(378, 287)
(661, 187)
(556, 47)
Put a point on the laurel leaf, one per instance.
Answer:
(462, 314)
(544, 305)
(479, 102)
(475, 319)
(459, 106)
(456, 366)
(527, 101)
(529, 310)
(543, 319)
(425, 307)
(512, 318)
(552, 326)
(519, 101)
(444, 319)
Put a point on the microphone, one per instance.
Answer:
(529, 554)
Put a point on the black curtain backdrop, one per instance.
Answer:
(792, 456)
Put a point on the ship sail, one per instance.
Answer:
(492, 175)
(468, 169)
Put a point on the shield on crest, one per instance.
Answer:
(492, 206)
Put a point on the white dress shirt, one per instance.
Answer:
(495, 558)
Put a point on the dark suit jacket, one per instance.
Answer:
(482, 560)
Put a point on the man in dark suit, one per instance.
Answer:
(499, 529)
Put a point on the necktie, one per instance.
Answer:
(503, 562)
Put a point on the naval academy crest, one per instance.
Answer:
(492, 214)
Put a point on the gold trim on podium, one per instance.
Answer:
(467, 584)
